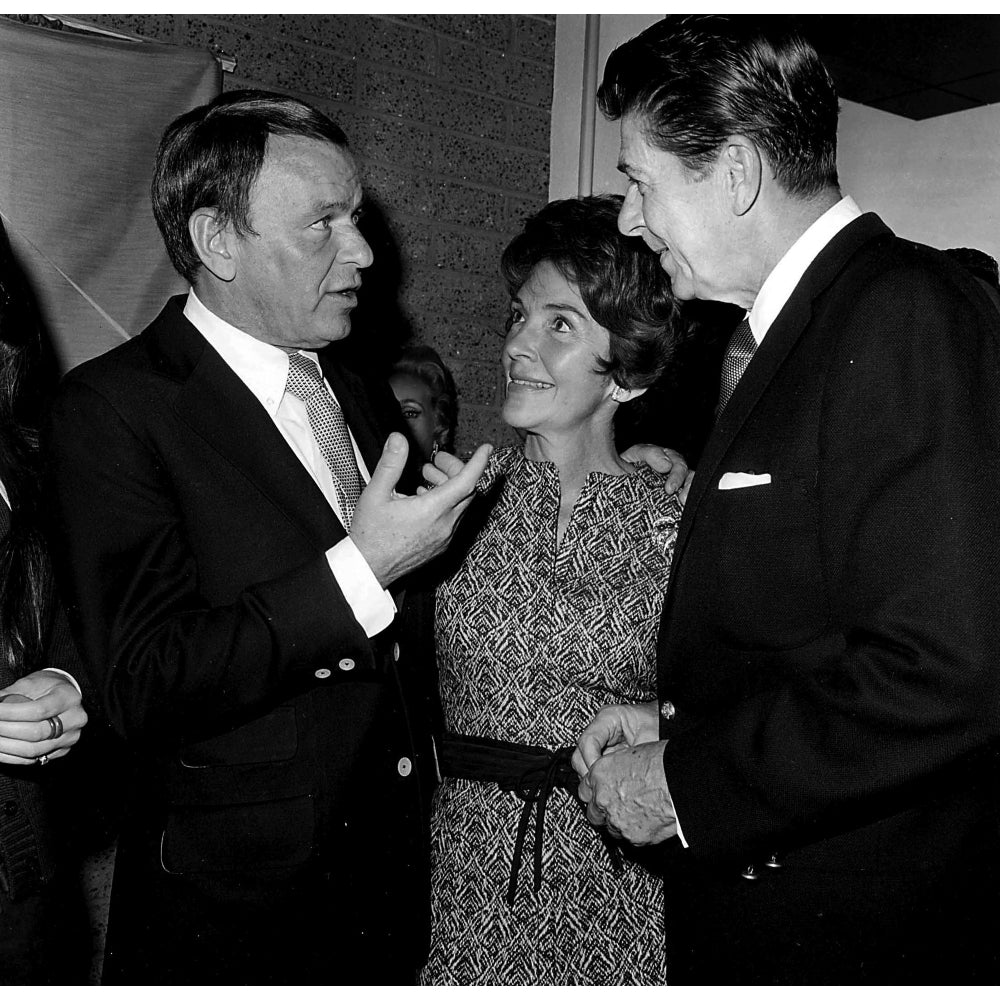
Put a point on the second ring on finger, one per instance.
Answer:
(55, 727)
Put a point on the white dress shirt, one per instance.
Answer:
(781, 282)
(263, 369)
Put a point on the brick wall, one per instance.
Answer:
(449, 117)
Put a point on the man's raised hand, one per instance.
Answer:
(396, 534)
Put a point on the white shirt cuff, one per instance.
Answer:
(680, 832)
(68, 676)
(677, 819)
(373, 607)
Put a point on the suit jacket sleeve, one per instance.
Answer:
(164, 656)
(902, 690)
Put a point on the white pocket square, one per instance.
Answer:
(741, 480)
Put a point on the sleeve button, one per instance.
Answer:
(322, 673)
(404, 766)
(346, 663)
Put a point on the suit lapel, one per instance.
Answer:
(215, 404)
(782, 336)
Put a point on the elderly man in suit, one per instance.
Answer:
(822, 765)
(233, 578)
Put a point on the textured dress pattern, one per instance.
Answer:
(533, 638)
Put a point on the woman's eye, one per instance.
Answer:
(411, 413)
(516, 316)
(560, 325)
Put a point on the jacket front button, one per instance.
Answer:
(346, 663)
(404, 766)
(749, 874)
(322, 673)
(395, 651)
(773, 862)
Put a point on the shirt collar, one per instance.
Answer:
(262, 367)
(781, 282)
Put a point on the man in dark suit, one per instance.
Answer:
(233, 583)
(821, 767)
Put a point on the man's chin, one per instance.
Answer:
(340, 329)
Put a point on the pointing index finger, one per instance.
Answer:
(462, 481)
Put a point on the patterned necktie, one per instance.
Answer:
(738, 355)
(330, 430)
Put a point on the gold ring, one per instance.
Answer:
(55, 727)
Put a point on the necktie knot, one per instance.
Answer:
(304, 379)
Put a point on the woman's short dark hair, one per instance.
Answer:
(25, 577)
(423, 362)
(693, 80)
(619, 279)
(211, 156)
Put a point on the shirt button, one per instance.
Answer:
(346, 663)
(404, 766)
(667, 711)
(395, 651)
(322, 673)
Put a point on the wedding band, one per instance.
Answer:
(55, 727)
(44, 759)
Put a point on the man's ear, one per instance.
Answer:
(213, 242)
(622, 395)
(743, 172)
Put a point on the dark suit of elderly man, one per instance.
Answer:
(234, 583)
(822, 759)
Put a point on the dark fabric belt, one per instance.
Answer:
(531, 773)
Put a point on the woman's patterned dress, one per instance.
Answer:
(533, 638)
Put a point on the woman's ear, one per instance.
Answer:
(213, 242)
(622, 395)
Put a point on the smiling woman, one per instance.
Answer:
(551, 614)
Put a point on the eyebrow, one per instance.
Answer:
(325, 207)
(564, 306)
(561, 306)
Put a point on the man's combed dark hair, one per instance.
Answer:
(619, 279)
(693, 80)
(211, 156)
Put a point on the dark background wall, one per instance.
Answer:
(449, 117)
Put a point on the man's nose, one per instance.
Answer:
(630, 220)
(360, 252)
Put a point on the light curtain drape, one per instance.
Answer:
(80, 119)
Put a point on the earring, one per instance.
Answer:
(617, 393)
(434, 450)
